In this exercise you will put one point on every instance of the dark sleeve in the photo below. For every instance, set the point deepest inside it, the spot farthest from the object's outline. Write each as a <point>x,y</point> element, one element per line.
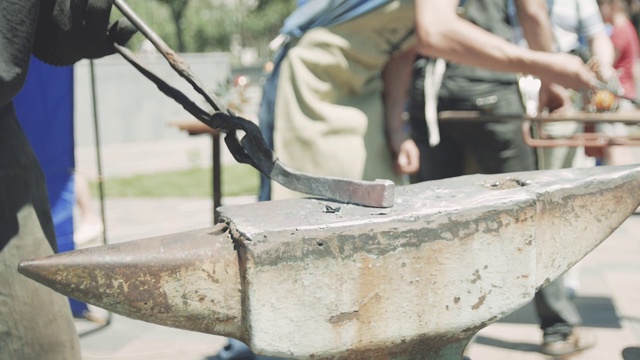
<point>17,28</point>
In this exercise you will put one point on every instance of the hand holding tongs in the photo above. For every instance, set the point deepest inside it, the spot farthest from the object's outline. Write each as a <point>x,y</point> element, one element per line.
<point>251,148</point>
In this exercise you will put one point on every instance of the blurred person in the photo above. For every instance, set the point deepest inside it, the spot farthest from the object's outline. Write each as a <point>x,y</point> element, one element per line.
<point>579,29</point>
<point>625,43</point>
<point>451,149</point>
<point>583,19</point>
<point>332,72</point>
<point>36,322</point>
<point>615,13</point>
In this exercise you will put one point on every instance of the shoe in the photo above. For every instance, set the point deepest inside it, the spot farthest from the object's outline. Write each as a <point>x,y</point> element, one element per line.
<point>578,340</point>
<point>236,350</point>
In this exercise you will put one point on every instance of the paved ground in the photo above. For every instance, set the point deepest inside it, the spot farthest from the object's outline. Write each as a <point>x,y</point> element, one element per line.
<point>608,299</point>
<point>608,296</point>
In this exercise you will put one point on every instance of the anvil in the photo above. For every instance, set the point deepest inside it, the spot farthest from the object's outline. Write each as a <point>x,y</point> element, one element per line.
<point>309,278</point>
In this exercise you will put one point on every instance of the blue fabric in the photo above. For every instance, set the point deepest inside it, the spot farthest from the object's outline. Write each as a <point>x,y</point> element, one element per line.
<point>45,111</point>
<point>325,13</point>
<point>308,15</point>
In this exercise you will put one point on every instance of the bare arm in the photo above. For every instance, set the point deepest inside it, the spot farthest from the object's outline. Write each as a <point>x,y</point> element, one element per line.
<point>441,33</point>
<point>396,76</point>
<point>602,47</point>
<point>603,50</point>
<point>536,25</point>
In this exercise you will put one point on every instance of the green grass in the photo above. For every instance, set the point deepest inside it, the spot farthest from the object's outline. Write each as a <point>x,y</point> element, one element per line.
<point>237,180</point>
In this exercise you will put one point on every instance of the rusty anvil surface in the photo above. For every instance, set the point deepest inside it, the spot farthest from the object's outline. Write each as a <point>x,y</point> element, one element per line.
<point>308,278</point>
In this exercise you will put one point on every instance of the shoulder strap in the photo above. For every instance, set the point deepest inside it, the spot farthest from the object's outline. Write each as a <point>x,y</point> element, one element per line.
<point>316,13</point>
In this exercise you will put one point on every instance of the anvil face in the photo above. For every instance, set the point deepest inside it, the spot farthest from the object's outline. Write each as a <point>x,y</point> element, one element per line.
<point>327,280</point>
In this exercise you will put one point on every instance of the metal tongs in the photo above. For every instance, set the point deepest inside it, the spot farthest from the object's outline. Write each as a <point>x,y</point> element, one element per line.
<point>251,148</point>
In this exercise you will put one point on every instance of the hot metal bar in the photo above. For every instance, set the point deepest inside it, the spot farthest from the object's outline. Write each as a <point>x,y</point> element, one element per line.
<point>324,280</point>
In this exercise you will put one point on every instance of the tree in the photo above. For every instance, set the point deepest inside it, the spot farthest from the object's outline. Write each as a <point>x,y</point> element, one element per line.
<point>210,25</point>
<point>177,8</point>
<point>264,22</point>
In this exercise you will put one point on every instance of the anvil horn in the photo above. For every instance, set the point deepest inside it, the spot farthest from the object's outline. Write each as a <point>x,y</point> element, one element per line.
<point>188,281</point>
<point>319,279</point>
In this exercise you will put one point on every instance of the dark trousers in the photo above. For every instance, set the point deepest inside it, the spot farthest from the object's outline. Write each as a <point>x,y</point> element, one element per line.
<point>490,148</point>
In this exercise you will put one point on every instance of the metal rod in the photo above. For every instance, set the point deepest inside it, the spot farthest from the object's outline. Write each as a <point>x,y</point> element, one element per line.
<point>96,133</point>
<point>216,174</point>
<point>96,125</point>
<point>628,118</point>
<point>577,140</point>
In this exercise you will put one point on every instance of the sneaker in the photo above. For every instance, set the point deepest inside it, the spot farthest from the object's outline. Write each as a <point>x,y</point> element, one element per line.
<point>579,340</point>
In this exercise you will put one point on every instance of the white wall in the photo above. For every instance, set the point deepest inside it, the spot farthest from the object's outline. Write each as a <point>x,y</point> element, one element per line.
<point>130,107</point>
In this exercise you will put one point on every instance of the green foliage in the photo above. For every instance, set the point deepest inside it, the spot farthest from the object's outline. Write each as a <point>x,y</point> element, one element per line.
<point>264,22</point>
<point>237,180</point>
<point>210,28</point>
<point>212,25</point>
<point>154,14</point>
<point>177,9</point>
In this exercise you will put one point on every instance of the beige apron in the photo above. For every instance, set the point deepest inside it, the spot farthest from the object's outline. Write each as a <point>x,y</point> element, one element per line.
<point>329,114</point>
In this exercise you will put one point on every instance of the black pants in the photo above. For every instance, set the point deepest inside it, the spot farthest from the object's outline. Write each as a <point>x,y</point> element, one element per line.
<point>490,148</point>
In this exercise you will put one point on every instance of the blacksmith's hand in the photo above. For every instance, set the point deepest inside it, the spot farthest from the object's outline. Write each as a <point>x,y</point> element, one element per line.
<point>70,30</point>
